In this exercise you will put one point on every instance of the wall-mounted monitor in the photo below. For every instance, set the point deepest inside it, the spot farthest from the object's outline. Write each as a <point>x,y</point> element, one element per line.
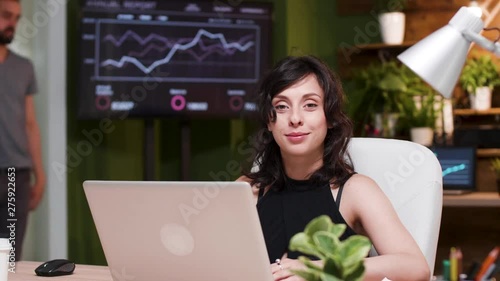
<point>154,58</point>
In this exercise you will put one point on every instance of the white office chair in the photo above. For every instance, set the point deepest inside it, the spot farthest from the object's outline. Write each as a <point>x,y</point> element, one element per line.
<point>411,177</point>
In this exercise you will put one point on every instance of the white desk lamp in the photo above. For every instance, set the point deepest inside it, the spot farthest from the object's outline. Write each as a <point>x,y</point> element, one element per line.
<point>439,58</point>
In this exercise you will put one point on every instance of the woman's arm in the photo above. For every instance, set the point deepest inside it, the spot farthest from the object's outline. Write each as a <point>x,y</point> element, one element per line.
<point>371,213</point>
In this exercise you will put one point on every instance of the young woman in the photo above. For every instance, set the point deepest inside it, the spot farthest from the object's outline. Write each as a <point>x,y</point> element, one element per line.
<point>303,172</point>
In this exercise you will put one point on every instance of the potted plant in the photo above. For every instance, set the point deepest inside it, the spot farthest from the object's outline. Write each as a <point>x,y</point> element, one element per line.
<point>374,94</point>
<point>479,77</point>
<point>495,166</point>
<point>392,20</point>
<point>342,260</point>
<point>418,114</point>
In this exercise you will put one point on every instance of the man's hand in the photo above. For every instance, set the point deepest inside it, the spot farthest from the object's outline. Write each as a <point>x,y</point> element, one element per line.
<point>34,142</point>
<point>36,194</point>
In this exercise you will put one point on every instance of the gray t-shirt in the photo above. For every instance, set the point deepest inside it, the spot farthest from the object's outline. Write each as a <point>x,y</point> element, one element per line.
<point>17,80</point>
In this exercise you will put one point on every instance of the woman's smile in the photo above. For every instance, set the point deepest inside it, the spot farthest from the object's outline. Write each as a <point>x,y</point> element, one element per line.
<point>296,137</point>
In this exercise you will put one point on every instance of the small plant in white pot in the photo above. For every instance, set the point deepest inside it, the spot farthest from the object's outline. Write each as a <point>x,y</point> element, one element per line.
<point>478,78</point>
<point>392,20</point>
<point>418,114</point>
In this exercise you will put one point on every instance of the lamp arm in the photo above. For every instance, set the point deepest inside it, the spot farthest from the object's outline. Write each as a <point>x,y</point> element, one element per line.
<point>482,41</point>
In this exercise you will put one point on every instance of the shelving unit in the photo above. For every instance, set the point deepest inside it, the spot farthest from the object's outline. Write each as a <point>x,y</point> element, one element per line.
<point>382,46</point>
<point>482,115</point>
<point>468,112</point>
<point>474,199</point>
<point>470,220</point>
<point>488,152</point>
<point>361,55</point>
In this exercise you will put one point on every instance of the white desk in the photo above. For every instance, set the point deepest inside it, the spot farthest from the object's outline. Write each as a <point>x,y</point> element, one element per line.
<point>25,271</point>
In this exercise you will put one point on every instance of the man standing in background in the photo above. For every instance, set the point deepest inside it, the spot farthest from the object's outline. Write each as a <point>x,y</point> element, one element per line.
<point>20,150</point>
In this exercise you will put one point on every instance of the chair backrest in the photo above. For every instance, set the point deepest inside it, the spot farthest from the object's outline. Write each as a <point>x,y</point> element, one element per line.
<point>411,177</point>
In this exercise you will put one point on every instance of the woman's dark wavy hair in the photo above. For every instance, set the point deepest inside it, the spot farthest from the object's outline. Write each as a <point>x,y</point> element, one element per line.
<point>336,167</point>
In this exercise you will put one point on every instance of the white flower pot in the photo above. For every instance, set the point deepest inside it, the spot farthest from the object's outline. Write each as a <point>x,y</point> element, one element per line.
<point>392,27</point>
<point>482,99</point>
<point>422,135</point>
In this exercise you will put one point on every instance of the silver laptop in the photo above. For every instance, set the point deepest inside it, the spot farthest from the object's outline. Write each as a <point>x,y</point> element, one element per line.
<point>179,231</point>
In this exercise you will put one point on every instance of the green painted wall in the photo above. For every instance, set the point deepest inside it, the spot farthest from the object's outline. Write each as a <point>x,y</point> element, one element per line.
<point>300,27</point>
<point>353,30</point>
<point>311,28</point>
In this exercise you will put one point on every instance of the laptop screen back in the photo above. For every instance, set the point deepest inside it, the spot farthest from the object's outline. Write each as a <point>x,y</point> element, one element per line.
<point>459,167</point>
<point>179,231</point>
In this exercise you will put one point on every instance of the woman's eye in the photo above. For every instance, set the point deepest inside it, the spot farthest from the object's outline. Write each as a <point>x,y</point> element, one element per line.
<point>280,107</point>
<point>311,105</point>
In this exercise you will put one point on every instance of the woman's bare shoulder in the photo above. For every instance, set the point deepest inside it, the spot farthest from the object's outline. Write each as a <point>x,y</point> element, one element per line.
<point>363,193</point>
<point>360,180</point>
<point>361,187</point>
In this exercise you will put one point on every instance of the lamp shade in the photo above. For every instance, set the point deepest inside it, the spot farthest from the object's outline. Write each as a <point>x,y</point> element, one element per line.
<point>438,58</point>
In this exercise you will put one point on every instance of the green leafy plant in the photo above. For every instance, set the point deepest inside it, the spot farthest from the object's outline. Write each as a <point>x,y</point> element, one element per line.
<point>479,72</point>
<point>388,6</point>
<point>418,110</point>
<point>495,166</point>
<point>379,88</point>
<point>342,260</point>
<point>376,88</point>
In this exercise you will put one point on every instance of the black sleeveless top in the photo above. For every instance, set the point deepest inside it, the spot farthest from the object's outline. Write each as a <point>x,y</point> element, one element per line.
<point>285,213</point>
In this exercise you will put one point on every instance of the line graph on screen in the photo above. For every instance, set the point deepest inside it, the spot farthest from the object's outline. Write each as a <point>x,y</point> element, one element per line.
<point>456,171</point>
<point>176,51</point>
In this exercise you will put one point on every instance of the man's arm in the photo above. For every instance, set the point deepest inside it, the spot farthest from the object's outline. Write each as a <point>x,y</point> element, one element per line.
<point>33,132</point>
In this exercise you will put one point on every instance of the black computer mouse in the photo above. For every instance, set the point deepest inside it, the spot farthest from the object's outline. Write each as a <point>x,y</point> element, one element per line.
<point>55,268</point>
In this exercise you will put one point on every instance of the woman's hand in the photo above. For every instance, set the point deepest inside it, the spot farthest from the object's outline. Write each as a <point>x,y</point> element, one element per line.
<point>281,269</point>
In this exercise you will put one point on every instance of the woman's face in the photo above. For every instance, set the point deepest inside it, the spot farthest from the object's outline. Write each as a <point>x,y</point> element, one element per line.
<point>301,126</point>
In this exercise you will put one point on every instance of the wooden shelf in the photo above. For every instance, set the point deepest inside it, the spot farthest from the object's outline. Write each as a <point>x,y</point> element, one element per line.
<point>382,46</point>
<point>474,199</point>
<point>359,56</point>
<point>462,112</point>
<point>488,152</point>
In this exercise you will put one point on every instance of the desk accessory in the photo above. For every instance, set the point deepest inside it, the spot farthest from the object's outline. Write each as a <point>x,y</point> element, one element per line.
<point>446,269</point>
<point>472,271</point>
<point>496,269</point>
<point>487,263</point>
<point>55,267</point>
